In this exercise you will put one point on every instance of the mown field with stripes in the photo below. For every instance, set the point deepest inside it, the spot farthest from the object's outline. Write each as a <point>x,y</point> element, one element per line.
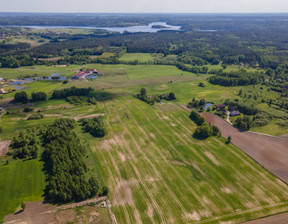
<point>157,173</point>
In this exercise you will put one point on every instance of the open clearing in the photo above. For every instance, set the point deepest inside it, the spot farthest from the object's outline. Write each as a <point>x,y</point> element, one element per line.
<point>83,212</point>
<point>270,152</point>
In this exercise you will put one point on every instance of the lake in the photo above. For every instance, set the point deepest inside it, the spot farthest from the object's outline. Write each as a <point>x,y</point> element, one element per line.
<point>132,29</point>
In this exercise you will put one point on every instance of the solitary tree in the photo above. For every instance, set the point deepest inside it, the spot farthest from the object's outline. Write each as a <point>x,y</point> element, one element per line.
<point>143,92</point>
<point>229,139</point>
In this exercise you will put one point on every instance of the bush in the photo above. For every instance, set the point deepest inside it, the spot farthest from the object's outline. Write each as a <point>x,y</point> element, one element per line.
<point>35,116</point>
<point>95,126</point>
<point>28,109</point>
<point>23,206</point>
<point>228,140</point>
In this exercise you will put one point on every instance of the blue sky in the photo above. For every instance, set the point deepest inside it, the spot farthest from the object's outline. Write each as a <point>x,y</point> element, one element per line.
<point>129,6</point>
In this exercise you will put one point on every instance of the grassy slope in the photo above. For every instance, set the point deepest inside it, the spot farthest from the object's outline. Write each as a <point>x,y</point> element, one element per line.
<point>20,181</point>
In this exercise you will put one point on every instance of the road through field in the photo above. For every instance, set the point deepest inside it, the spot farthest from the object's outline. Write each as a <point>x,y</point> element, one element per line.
<point>271,152</point>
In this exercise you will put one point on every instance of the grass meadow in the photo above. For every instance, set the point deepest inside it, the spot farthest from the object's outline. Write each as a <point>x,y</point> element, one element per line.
<point>19,182</point>
<point>140,57</point>
<point>155,171</point>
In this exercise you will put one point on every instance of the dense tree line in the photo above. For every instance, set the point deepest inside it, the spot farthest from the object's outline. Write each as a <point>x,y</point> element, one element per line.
<point>194,69</point>
<point>64,161</point>
<point>73,91</point>
<point>22,97</point>
<point>38,96</point>
<point>237,78</point>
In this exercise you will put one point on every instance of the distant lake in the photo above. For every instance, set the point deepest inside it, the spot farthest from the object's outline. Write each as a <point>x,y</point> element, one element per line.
<point>132,29</point>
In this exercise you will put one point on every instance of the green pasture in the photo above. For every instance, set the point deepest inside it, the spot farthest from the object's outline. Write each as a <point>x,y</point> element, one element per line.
<point>20,181</point>
<point>40,70</point>
<point>140,57</point>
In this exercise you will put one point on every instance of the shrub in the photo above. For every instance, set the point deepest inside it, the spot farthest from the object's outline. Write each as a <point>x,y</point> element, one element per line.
<point>28,109</point>
<point>228,140</point>
<point>35,116</point>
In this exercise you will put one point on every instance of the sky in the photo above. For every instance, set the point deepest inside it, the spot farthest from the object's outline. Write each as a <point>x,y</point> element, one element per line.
<point>145,6</point>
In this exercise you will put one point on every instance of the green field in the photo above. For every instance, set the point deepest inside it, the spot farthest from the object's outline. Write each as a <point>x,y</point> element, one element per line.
<point>140,57</point>
<point>155,171</point>
<point>158,173</point>
<point>20,181</point>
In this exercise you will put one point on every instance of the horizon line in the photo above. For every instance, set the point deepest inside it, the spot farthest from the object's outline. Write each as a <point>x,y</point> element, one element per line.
<point>187,13</point>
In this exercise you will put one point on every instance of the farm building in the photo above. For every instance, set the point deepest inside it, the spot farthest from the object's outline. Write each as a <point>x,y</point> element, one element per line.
<point>234,113</point>
<point>84,73</point>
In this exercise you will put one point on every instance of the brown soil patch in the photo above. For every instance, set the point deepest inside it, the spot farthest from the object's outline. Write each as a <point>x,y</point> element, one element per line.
<point>152,135</point>
<point>212,158</point>
<point>105,144</point>
<point>270,152</point>
<point>66,216</point>
<point>150,211</point>
<point>35,212</point>
<point>275,219</point>
<point>173,125</point>
<point>123,193</point>
<point>122,157</point>
<point>226,190</point>
<point>192,216</point>
<point>41,213</point>
<point>166,118</point>
<point>8,107</point>
<point>4,147</point>
<point>178,163</point>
